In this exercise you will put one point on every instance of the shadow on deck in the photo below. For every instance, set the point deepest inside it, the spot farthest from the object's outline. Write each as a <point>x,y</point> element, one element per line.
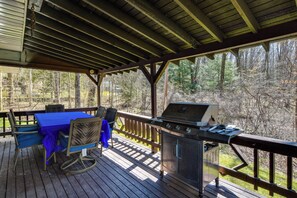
<point>127,170</point>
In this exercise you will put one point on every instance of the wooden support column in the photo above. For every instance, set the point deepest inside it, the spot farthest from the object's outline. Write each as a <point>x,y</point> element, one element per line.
<point>99,81</point>
<point>153,91</point>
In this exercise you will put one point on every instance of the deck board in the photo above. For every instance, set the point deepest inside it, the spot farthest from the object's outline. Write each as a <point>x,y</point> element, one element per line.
<point>127,170</point>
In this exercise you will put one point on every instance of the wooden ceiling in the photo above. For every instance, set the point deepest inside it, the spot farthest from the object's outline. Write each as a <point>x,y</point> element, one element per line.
<point>111,36</point>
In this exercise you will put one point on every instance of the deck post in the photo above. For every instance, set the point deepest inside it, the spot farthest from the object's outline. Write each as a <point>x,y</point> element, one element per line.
<point>99,81</point>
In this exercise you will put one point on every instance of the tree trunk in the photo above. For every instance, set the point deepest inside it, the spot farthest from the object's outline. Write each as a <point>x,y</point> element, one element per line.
<point>91,94</point>
<point>69,90</point>
<point>165,100</point>
<point>30,88</point>
<point>57,87</point>
<point>1,95</point>
<point>222,77</point>
<point>77,91</point>
<point>10,89</point>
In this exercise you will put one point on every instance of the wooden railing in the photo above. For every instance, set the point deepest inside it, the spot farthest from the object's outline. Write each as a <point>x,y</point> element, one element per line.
<point>28,116</point>
<point>135,127</point>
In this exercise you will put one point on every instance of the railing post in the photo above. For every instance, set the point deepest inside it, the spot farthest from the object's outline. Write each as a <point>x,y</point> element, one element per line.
<point>271,171</point>
<point>256,167</point>
<point>289,173</point>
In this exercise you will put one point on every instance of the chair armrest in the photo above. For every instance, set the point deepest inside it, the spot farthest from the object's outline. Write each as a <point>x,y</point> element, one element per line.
<point>25,126</point>
<point>62,134</point>
<point>28,132</point>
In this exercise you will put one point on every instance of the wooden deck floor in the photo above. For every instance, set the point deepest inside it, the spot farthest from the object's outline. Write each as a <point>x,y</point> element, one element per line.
<point>127,170</point>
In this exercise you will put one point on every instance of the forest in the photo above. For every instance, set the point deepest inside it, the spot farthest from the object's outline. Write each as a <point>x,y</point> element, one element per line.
<point>255,88</point>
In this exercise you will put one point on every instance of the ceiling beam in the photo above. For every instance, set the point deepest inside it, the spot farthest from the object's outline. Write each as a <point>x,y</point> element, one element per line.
<point>266,46</point>
<point>62,56</point>
<point>117,14</point>
<point>193,11</point>
<point>70,53</point>
<point>107,40</point>
<point>91,49</point>
<point>280,31</point>
<point>246,14</point>
<point>154,14</point>
<point>63,45</point>
<point>68,31</point>
<point>100,23</point>
<point>58,57</point>
<point>33,65</point>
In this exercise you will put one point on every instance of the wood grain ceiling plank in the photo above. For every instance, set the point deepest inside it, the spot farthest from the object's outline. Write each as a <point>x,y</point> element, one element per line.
<point>246,15</point>
<point>154,14</point>
<point>193,11</point>
<point>100,23</point>
<point>120,16</point>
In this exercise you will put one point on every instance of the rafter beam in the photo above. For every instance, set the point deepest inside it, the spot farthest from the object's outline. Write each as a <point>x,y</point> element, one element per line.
<point>117,14</point>
<point>154,14</point>
<point>266,46</point>
<point>67,52</point>
<point>193,11</point>
<point>160,71</point>
<point>100,23</point>
<point>75,49</point>
<point>91,49</point>
<point>234,52</point>
<point>210,56</point>
<point>92,79</point>
<point>145,72</point>
<point>276,32</point>
<point>80,31</point>
<point>246,14</point>
<point>61,56</point>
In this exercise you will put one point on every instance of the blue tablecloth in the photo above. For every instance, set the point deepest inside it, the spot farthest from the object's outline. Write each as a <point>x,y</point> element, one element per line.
<point>50,124</point>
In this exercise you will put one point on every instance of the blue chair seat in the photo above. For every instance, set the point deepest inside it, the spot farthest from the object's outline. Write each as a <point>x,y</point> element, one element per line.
<point>25,128</point>
<point>64,143</point>
<point>26,140</point>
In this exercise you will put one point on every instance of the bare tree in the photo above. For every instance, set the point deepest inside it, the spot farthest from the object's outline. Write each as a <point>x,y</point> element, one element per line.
<point>77,91</point>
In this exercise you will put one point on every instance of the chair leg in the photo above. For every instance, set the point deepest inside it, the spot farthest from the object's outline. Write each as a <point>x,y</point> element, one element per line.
<point>44,159</point>
<point>101,149</point>
<point>55,158</point>
<point>16,154</point>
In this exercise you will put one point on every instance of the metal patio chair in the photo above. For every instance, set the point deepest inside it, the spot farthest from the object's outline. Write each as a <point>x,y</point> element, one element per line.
<point>84,135</point>
<point>22,127</point>
<point>110,116</point>
<point>23,139</point>
<point>100,112</point>
<point>54,108</point>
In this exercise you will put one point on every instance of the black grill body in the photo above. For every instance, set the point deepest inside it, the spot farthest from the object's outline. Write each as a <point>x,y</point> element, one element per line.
<point>189,149</point>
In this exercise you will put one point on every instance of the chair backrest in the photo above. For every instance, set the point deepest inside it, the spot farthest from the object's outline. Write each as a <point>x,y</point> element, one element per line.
<point>12,125</point>
<point>100,112</point>
<point>54,108</point>
<point>84,133</point>
<point>12,116</point>
<point>110,116</point>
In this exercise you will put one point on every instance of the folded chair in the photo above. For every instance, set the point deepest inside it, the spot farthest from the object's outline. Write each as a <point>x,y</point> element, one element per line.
<point>83,135</point>
<point>110,116</point>
<point>54,108</point>
<point>23,139</point>
<point>22,127</point>
<point>100,112</point>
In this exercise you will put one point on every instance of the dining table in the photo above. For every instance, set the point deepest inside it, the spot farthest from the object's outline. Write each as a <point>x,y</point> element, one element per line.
<point>50,124</point>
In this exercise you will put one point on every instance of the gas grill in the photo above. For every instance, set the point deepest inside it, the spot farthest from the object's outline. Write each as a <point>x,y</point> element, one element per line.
<point>189,142</point>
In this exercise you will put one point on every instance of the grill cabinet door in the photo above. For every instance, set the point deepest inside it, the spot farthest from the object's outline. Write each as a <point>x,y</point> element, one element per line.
<point>169,153</point>
<point>189,159</point>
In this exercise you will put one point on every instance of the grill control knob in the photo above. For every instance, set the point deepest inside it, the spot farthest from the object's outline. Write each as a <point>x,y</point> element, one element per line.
<point>188,130</point>
<point>177,127</point>
<point>168,125</point>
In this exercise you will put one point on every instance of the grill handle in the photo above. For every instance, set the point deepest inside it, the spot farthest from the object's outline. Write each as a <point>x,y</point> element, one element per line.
<point>177,150</point>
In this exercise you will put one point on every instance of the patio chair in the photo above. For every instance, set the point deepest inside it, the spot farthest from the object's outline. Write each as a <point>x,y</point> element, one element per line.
<point>110,116</point>
<point>100,112</point>
<point>84,135</point>
<point>23,139</point>
<point>54,108</point>
<point>23,127</point>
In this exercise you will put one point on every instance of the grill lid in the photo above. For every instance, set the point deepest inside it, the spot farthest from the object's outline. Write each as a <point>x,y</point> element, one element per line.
<point>196,114</point>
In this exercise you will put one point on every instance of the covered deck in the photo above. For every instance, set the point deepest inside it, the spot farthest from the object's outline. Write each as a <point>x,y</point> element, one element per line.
<point>127,170</point>
<point>99,38</point>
